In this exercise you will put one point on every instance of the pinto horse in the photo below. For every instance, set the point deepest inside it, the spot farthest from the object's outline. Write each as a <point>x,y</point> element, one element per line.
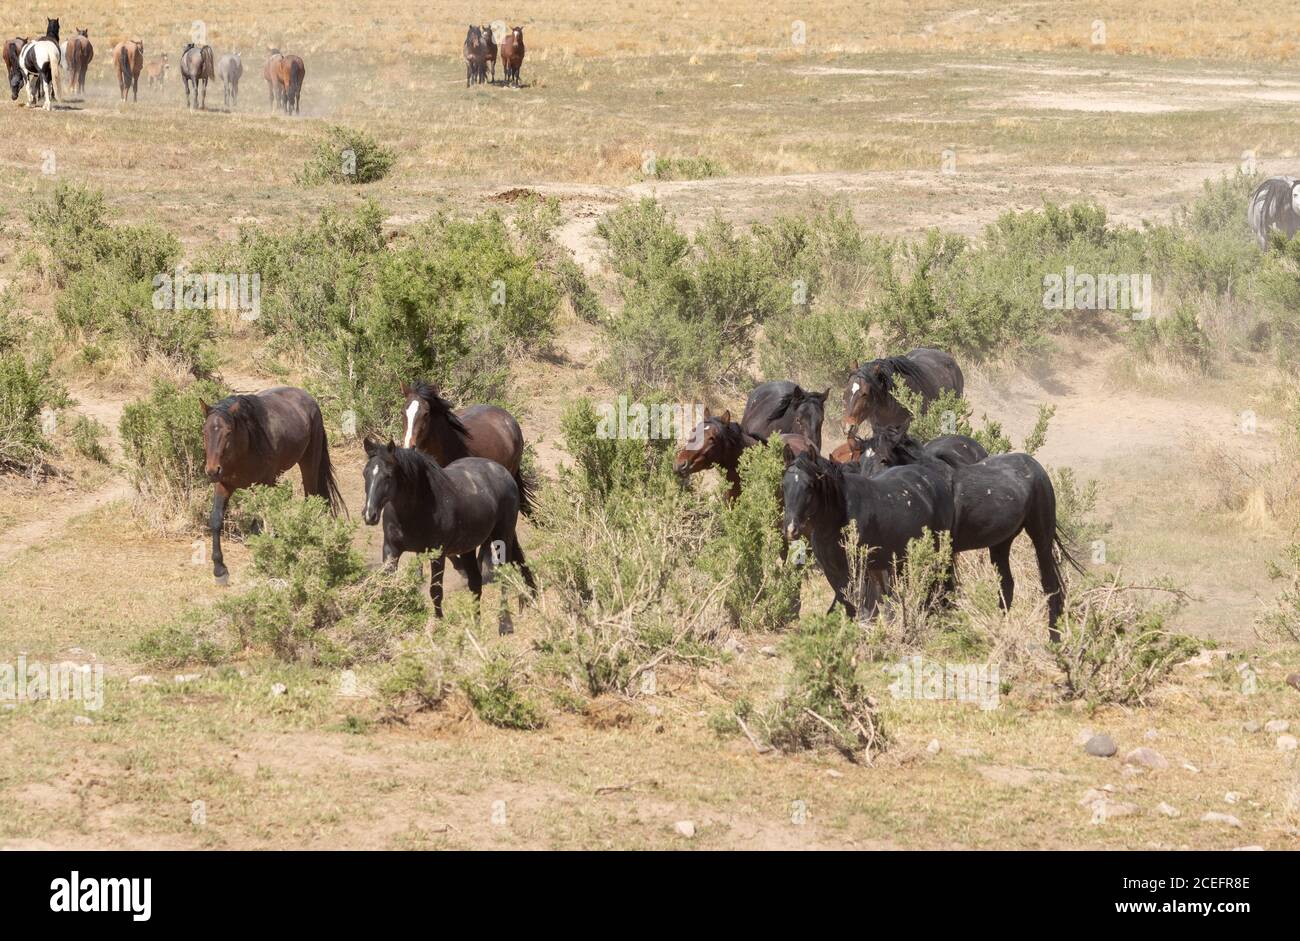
<point>718,441</point>
<point>128,60</point>
<point>198,64</point>
<point>869,398</point>
<point>475,52</point>
<point>80,52</point>
<point>253,439</point>
<point>512,55</point>
<point>783,406</point>
<point>996,499</point>
<point>41,63</point>
<point>470,506</point>
<point>887,511</point>
<point>478,431</point>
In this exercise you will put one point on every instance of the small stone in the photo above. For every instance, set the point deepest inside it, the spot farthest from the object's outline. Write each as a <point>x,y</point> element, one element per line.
<point>1286,743</point>
<point>1151,735</point>
<point>188,677</point>
<point>1146,758</point>
<point>768,651</point>
<point>82,720</point>
<point>686,828</point>
<point>1213,816</point>
<point>1104,810</point>
<point>1231,797</point>
<point>1091,796</point>
<point>144,679</point>
<point>934,747</point>
<point>832,773</point>
<point>1293,680</point>
<point>1277,726</point>
<point>279,689</point>
<point>1191,767</point>
<point>1102,746</point>
<point>1252,726</point>
<point>733,646</point>
<point>1166,810</point>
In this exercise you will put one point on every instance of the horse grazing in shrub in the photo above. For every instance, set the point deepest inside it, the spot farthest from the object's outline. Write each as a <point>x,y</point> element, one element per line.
<point>253,439</point>
<point>718,441</point>
<point>468,510</point>
<point>868,396</point>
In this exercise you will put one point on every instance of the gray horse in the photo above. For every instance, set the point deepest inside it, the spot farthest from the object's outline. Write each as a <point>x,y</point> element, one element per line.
<point>1275,204</point>
<point>230,68</point>
<point>197,66</point>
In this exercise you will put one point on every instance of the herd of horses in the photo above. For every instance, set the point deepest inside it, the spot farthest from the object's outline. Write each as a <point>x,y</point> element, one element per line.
<point>455,484</point>
<point>38,65</point>
<point>481,53</point>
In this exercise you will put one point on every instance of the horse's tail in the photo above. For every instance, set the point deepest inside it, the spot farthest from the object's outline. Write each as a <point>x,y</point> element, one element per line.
<point>527,484</point>
<point>1062,543</point>
<point>326,485</point>
<point>56,73</point>
<point>123,64</point>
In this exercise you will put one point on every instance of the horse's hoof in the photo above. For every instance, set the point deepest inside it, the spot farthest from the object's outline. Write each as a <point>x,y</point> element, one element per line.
<point>505,626</point>
<point>223,579</point>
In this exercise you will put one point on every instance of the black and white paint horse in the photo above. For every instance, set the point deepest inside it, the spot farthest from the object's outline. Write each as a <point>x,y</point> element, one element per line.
<point>42,65</point>
<point>1275,204</point>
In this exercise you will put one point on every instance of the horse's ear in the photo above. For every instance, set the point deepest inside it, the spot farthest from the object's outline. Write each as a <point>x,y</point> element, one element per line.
<point>855,366</point>
<point>406,390</point>
<point>726,417</point>
<point>823,395</point>
<point>371,446</point>
<point>392,448</point>
<point>206,408</point>
<point>707,413</point>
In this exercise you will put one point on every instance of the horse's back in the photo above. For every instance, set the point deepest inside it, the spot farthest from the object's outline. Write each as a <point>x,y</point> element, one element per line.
<point>487,499</point>
<point>494,434</point>
<point>756,418</point>
<point>940,367</point>
<point>996,497</point>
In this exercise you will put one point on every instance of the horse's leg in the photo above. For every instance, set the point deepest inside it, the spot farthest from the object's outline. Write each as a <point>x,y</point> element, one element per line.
<point>219,496</point>
<point>1049,574</point>
<point>436,568</point>
<point>1000,556</point>
<point>469,566</point>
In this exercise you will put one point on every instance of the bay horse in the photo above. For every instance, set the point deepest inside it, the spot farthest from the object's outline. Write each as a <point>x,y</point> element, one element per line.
<point>80,53</point>
<point>784,406</point>
<point>128,60</point>
<point>198,65</point>
<point>718,441</point>
<point>486,431</point>
<point>42,66</point>
<point>512,55</point>
<point>13,49</point>
<point>289,73</point>
<point>887,511</point>
<point>489,51</point>
<point>230,69</point>
<point>468,511</point>
<point>868,396</point>
<point>995,500</point>
<point>271,72</point>
<point>253,439</point>
<point>475,53</point>
<point>877,452</point>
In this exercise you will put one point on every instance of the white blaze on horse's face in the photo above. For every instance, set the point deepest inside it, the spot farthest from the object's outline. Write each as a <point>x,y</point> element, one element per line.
<point>411,411</point>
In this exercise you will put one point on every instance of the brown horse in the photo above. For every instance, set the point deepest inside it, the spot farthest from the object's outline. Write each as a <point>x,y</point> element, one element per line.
<point>12,49</point>
<point>198,65</point>
<point>869,397</point>
<point>289,73</point>
<point>489,52</point>
<point>475,53</point>
<point>718,442</point>
<point>79,54</point>
<point>253,439</point>
<point>157,71</point>
<point>512,55</point>
<point>270,72</point>
<point>128,60</point>
<point>478,431</point>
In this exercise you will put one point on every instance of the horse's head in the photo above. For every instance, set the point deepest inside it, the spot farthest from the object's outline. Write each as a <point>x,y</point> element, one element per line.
<point>424,409</point>
<point>804,490</point>
<point>806,410</point>
<point>52,29</point>
<point>220,433</point>
<point>518,33</point>
<point>885,448</point>
<point>869,385</point>
<point>84,32</point>
<point>380,478</point>
<point>1295,197</point>
<point>703,448</point>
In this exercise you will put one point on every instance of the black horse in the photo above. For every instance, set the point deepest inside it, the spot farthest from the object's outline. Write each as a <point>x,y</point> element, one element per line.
<point>470,506</point>
<point>892,446</point>
<point>1275,204</point>
<point>887,510</point>
<point>868,396</point>
<point>784,406</point>
<point>996,499</point>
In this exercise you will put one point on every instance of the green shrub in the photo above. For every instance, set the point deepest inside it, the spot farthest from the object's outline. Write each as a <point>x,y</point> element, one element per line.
<point>162,438</point>
<point>85,435</point>
<point>496,697</point>
<point>27,392</point>
<point>178,645</point>
<point>347,156</point>
<point>686,168</point>
<point>1280,621</point>
<point>606,461</point>
<point>762,590</point>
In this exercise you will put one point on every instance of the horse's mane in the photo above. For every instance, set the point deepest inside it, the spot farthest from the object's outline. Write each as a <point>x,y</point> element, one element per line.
<point>415,465</point>
<point>900,365</point>
<point>826,476</point>
<point>250,416</point>
<point>438,405</point>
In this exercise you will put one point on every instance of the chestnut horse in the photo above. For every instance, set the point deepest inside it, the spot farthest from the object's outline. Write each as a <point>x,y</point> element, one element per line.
<point>270,72</point>
<point>157,71</point>
<point>478,431</point>
<point>78,57</point>
<point>253,439</point>
<point>289,73</point>
<point>718,442</point>
<point>512,55</point>
<point>128,59</point>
